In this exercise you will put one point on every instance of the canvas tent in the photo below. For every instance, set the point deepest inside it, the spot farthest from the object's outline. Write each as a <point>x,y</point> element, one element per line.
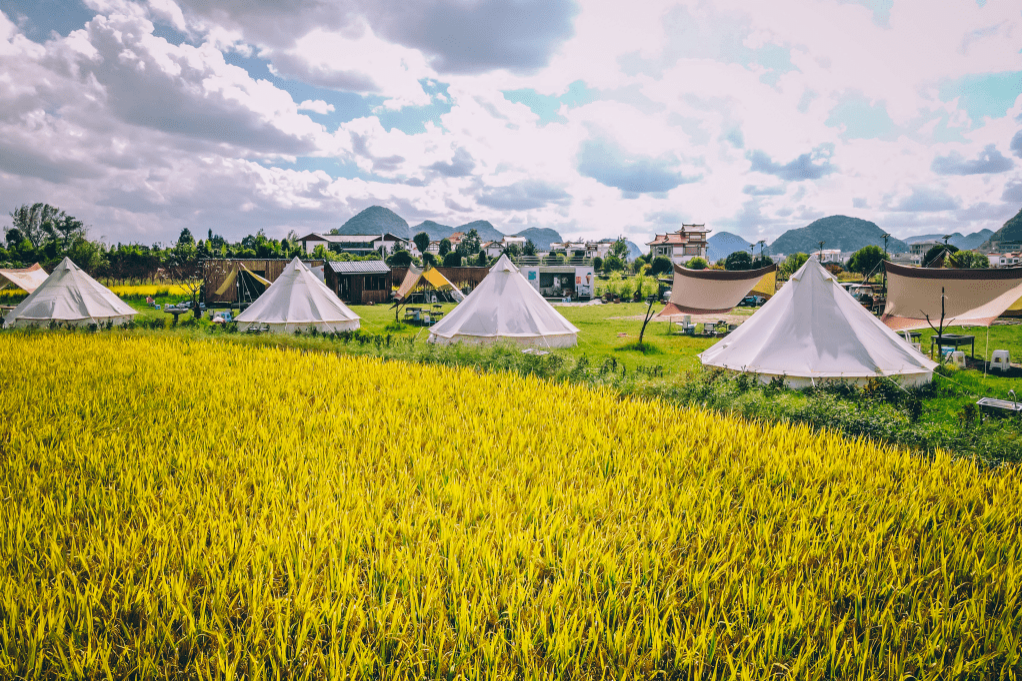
<point>23,278</point>
<point>298,301</point>
<point>716,291</point>
<point>429,280</point>
<point>971,297</point>
<point>505,306</point>
<point>69,296</point>
<point>812,331</point>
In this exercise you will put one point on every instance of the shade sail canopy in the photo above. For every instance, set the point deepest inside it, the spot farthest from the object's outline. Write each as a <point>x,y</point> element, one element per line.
<point>233,276</point>
<point>971,297</point>
<point>505,306</point>
<point>813,330</point>
<point>28,279</point>
<point>430,279</point>
<point>716,291</point>
<point>69,296</point>
<point>298,301</point>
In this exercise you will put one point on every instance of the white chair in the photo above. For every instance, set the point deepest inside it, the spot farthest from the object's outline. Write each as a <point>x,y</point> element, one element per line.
<point>958,359</point>
<point>1000,360</point>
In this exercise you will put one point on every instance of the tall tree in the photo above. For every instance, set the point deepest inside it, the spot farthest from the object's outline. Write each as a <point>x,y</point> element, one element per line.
<point>739,260</point>
<point>41,222</point>
<point>620,248</point>
<point>792,263</point>
<point>421,242</point>
<point>445,247</point>
<point>470,244</point>
<point>867,260</point>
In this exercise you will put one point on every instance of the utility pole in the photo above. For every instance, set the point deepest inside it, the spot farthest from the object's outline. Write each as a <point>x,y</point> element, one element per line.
<point>886,237</point>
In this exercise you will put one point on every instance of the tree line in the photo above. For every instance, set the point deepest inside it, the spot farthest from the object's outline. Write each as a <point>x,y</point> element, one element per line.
<point>44,234</point>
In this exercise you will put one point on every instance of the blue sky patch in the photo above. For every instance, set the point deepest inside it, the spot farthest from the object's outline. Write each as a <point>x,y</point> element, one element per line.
<point>546,106</point>
<point>982,95</point>
<point>350,105</point>
<point>863,120</point>
<point>38,18</point>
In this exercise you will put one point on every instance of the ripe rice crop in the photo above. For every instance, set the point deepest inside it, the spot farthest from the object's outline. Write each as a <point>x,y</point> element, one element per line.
<point>192,508</point>
<point>143,290</point>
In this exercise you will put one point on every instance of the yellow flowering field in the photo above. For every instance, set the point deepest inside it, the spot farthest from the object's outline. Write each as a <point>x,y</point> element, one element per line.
<point>190,508</point>
<point>143,290</point>
<point>137,290</point>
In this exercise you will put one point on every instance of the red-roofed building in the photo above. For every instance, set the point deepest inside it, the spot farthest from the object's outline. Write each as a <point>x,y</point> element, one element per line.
<point>682,246</point>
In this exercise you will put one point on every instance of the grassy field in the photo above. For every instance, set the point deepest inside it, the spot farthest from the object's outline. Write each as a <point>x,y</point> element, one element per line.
<point>172,508</point>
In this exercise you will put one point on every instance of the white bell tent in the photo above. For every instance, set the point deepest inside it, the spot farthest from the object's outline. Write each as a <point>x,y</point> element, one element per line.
<point>505,306</point>
<point>298,301</point>
<point>812,330</point>
<point>70,297</point>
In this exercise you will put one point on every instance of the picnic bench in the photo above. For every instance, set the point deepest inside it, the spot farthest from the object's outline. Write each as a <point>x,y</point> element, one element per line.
<point>954,340</point>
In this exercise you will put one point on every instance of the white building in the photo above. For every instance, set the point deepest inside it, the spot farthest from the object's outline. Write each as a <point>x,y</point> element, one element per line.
<point>682,246</point>
<point>1004,260</point>
<point>583,249</point>
<point>358,244</point>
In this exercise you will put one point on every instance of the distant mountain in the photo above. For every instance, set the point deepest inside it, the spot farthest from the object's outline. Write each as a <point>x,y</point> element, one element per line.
<point>966,242</point>
<point>376,220</point>
<point>542,237</point>
<point>1011,231</point>
<point>836,232</point>
<point>723,244</point>
<point>436,231</point>
<point>633,250</point>
<point>487,232</point>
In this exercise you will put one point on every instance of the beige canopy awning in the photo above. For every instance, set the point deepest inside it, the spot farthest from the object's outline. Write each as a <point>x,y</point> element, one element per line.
<point>430,279</point>
<point>700,292</point>
<point>230,279</point>
<point>971,297</point>
<point>23,278</point>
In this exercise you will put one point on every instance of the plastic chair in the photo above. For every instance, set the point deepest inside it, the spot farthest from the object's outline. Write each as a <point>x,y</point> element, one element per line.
<point>958,359</point>
<point>1000,360</point>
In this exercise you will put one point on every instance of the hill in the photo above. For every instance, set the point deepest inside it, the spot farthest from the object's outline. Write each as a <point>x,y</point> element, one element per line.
<point>542,237</point>
<point>966,242</point>
<point>436,231</point>
<point>1011,231</point>
<point>376,220</point>
<point>836,232</point>
<point>634,251</point>
<point>723,244</point>
<point>487,232</point>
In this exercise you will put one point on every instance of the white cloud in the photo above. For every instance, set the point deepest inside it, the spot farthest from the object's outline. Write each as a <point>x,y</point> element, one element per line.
<point>317,106</point>
<point>687,107</point>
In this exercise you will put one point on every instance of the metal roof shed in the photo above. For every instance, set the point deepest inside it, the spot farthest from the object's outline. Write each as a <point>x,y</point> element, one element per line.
<point>362,282</point>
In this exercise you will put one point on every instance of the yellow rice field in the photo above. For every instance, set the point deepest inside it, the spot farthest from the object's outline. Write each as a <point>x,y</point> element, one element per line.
<point>136,290</point>
<point>175,508</point>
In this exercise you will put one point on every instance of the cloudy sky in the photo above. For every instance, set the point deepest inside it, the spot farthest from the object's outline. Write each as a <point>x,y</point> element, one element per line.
<point>593,118</point>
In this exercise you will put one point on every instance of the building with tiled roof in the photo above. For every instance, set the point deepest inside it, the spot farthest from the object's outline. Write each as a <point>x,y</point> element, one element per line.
<point>682,246</point>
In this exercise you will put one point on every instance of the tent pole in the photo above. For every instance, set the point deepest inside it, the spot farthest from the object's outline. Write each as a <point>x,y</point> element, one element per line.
<point>986,354</point>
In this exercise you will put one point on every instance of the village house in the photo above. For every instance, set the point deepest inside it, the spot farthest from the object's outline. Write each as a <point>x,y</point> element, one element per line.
<point>355,244</point>
<point>682,246</point>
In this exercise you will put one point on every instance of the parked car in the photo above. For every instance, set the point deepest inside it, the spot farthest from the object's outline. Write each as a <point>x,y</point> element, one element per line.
<point>752,301</point>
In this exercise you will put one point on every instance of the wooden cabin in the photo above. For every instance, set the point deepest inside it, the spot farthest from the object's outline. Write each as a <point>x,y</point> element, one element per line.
<point>360,282</point>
